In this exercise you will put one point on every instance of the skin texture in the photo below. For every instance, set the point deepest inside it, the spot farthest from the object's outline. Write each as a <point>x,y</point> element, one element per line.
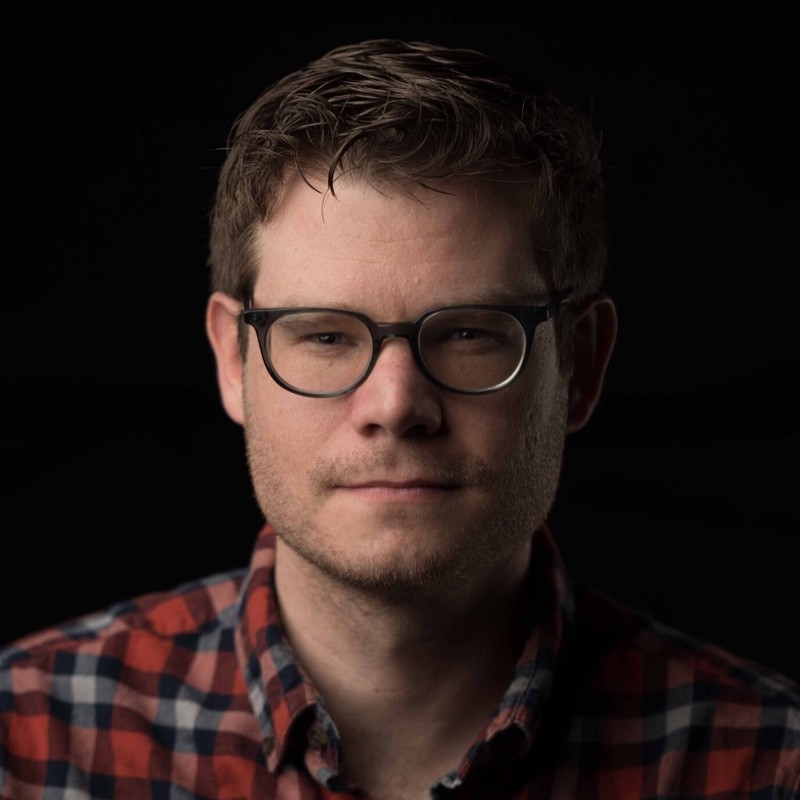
<point>404,512</point>
<point>400,487</point>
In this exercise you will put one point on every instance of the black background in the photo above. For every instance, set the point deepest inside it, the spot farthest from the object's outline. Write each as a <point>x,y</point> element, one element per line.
<point>121,474</point>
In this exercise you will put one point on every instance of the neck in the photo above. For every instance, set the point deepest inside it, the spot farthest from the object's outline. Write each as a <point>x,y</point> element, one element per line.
<point>405,672</point>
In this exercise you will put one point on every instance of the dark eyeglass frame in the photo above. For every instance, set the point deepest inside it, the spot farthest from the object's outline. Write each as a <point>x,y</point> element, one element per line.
<point>529,317</point>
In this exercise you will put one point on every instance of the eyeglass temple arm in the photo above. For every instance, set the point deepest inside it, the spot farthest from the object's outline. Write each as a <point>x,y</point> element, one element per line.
<point>560,299</point>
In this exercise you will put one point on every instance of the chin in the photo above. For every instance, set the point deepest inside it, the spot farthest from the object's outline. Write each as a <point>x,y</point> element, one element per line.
<point>388,573</point>
<point>404,560</point>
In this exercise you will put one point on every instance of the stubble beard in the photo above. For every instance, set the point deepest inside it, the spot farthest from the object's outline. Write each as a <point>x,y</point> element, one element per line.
<point>522,489</point>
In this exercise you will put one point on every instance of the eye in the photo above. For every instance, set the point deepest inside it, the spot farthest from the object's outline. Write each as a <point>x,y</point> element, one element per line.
<point>471,332</point>
<point>311,339</point>
<point>329,338</point>
<point>468,334</point>
<point>320,333</point>
<point>469,340</point>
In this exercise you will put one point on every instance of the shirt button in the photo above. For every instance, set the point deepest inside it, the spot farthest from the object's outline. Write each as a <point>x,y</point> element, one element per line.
<point>317,737</point>
<point>268,745</point>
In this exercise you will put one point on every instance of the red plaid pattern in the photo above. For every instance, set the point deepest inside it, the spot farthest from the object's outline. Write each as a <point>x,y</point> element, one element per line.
<point>195,693</point>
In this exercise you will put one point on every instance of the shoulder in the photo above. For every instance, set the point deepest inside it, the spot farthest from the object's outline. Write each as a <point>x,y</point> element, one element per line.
<point>690,713</point>
<point>129,697</point>
<point>665,657</point>
<point>188,610</point>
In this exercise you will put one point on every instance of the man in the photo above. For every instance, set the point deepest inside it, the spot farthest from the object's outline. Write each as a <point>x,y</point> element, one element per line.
<point>407,315</point>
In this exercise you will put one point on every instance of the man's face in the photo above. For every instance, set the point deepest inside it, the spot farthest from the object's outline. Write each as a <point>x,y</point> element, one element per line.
<point>400,486</point>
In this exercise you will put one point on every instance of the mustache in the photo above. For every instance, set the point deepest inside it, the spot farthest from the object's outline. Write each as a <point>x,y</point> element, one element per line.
<point>390,465</point>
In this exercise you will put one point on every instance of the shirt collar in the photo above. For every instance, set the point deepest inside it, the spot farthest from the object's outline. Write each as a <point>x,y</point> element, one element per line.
<point>281,694</point>
<point>290,711</point>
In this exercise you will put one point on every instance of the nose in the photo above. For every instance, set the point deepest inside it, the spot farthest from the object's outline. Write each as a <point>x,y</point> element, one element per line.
<point>396,397</point>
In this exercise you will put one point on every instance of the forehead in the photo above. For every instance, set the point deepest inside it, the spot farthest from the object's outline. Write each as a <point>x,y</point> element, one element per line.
<point>386,250</point>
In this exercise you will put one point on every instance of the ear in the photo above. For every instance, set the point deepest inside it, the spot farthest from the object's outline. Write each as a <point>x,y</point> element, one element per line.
<point>594,334</point>
<point>222,328</point>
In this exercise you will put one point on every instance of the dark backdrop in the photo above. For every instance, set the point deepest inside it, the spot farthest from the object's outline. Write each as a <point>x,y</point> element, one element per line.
<point>122,475</point>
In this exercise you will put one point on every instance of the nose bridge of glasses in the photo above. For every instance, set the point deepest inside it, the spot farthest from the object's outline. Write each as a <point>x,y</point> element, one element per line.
<point>383,332</point>
<point>394,330</point>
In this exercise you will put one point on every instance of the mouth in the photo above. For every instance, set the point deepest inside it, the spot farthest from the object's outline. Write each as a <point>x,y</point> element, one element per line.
<point>394,483</point>
<point>404,491</point>
<point>390,478</point>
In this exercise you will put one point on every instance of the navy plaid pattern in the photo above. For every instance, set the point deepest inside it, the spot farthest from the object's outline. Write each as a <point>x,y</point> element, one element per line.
<point>195,693</point>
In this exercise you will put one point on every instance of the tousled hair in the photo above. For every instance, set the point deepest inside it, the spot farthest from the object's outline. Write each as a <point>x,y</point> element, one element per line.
<point>412,114</point>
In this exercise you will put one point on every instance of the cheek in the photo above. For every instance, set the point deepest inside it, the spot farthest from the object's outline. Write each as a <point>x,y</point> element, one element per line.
<point>533,407</point>
<point>545,386</point>
<point>490,428</point>
<point>285,434</point>
<point>285,426</point>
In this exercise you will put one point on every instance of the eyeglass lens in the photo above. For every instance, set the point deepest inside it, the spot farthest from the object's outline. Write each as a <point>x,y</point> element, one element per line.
<point>329,351</point>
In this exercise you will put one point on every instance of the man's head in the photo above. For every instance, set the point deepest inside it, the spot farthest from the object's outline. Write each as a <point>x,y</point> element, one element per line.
<point>391,179</point>
<point>405,115</point>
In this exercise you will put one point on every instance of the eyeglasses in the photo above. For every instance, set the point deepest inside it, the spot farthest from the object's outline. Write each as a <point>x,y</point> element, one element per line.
<point>469,349</point>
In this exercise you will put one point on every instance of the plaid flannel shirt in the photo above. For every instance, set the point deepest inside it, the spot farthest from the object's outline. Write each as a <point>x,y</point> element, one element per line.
<point>196,693</point>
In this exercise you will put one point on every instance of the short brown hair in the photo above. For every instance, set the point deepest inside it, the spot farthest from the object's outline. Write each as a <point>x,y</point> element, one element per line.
<point>415,112</point>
